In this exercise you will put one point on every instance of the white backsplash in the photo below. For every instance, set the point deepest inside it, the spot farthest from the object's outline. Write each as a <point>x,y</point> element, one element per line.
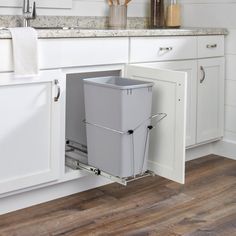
<point>137,8</point>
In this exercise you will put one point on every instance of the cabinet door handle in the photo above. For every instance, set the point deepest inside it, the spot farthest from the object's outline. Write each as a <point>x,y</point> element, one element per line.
<point>211,45</point>
<point>203,74</point>
<point>56,82</point>
<point>166,48</point>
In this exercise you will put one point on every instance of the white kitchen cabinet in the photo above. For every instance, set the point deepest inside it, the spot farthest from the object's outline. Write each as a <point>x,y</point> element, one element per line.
<point>167,140</point>
<point>150,49</point>
<point>188,54</point>
<point>190,67</point>
<point>211,46</point>
<point>210,99</point>
<point>167,152</point>
<point>30,137</point>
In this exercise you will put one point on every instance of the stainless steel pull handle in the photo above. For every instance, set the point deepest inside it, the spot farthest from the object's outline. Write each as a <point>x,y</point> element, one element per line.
<point>56,82</point>
<point>211,45</point>
<point>166,48</point>
<point>203,74</point>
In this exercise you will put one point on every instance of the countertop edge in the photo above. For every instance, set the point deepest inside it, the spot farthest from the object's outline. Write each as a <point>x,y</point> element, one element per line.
<point>109,33</point>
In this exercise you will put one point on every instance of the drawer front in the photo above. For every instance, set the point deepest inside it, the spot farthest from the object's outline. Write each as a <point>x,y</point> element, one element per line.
<point>57,53</point>
<point>49,54</point>
<point>210,46</point>
<point>162,49</point>
<point>94,51</point>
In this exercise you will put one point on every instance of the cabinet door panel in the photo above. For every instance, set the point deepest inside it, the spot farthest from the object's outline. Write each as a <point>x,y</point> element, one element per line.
<point>28,146</point>
<point>190,67</point>
<point>210,108</point>
<point>167,141</point>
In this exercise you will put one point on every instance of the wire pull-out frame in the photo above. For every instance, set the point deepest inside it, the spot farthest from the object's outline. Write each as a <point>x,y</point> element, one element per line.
<point>76,164</point>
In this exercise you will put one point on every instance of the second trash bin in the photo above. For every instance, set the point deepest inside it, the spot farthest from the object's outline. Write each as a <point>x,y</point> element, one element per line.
<point>114,106</point>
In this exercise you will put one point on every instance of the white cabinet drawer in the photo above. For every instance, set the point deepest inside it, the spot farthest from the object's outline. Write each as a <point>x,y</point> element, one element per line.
<point>210,46</point>
<point>94,51</point>
<point>162,49</point>
<point>49,54</point>
<point>57,53</point>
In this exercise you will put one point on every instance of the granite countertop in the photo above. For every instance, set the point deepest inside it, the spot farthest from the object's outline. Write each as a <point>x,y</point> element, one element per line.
<point>104,32</point>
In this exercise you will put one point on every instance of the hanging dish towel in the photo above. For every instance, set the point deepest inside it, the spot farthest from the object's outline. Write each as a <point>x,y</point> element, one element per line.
<point>25,51</point>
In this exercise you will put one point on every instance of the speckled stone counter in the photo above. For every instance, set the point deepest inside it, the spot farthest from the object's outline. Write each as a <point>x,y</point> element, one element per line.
<point>94,26</point>
<point>91,33</point>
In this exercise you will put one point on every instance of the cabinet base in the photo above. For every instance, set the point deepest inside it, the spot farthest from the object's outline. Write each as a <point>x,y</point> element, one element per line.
<point>225,148</point>
<point>44,194</point>
<point>37,196</point>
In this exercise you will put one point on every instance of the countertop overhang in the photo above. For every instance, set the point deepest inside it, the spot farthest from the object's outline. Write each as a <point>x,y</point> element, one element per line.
<point>102,33</point>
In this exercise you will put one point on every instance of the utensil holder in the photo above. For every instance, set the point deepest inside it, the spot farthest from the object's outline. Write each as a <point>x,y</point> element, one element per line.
<point>118,16</point>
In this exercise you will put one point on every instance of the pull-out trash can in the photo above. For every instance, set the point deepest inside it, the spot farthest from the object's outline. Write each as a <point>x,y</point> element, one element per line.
<point>118,114</point>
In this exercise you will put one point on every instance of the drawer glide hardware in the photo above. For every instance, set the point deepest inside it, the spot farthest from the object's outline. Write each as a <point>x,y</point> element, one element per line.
<point>76,165</point>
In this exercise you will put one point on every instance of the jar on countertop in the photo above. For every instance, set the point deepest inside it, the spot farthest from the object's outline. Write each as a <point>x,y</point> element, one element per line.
<point>173,14</point>
<point>157,14</point>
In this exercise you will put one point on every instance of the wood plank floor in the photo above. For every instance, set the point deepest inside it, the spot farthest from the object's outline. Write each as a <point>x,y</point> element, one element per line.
<point>204,206</point>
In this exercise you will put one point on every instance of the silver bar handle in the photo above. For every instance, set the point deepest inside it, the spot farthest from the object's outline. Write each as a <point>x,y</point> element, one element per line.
<point>211,45</point>
<point>56,82</point>
<point>166,48</point>
<point>203,74</point>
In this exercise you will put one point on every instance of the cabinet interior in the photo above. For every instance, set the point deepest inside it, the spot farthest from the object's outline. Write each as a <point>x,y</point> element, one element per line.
<point>75,133</point>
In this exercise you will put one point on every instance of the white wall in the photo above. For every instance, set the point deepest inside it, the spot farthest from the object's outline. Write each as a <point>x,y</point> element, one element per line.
<point>84,8</point>
<point>219,13</point>
<point>40,3</point>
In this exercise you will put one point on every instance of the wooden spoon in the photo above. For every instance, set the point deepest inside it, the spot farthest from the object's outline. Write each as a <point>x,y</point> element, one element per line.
<point>127,2</point>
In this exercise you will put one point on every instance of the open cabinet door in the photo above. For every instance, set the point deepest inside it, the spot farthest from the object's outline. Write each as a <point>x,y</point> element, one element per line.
<point>167,141</point>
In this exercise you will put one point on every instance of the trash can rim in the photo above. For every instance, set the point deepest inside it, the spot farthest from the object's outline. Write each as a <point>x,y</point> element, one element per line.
<point>111,82</point>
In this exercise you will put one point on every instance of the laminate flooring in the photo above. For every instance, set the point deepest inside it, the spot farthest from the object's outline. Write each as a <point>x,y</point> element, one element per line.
<point>204,206</point>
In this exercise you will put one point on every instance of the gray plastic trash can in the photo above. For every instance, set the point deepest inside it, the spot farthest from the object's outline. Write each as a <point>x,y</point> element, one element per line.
<point>114,106</point>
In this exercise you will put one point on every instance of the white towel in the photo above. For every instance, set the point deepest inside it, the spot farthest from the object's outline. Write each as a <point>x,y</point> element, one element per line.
<point>25,51</point>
